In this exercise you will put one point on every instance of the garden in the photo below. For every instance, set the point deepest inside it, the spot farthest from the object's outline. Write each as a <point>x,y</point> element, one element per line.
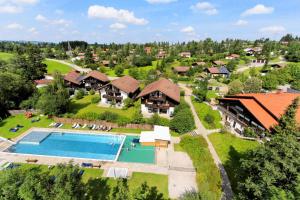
<point>230,150</point>
<point>53,66</point>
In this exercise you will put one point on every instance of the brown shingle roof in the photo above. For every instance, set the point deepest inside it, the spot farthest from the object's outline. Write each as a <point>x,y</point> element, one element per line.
<point>73,77</point>
<point>165,86</point>
<point>98,75</point>
<point>219,62</point>
<point>126,84</point>
<point>181,69</point>
<point>213,70</point>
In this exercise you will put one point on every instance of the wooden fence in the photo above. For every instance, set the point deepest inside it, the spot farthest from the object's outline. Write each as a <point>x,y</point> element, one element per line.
<point>100,122</point>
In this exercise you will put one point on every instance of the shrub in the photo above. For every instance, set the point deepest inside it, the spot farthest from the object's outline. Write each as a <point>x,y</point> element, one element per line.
<point>183,121</point>
<point>119,70</point>
<point>95,99</point>
<point>92,92</point>
<point>157,120</point>
<point>109,116</point>
<point>138,118</point>
<point>128,102</point>
<point>89,116</point>
<point>209,118</point>
<point>249,132</point>
<point>79,94</point>
<point>182,93</point>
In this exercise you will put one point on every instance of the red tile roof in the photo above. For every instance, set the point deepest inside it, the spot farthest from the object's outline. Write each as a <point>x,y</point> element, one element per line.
<point>267,108</point>
<point>98,75</point>
<point>213,70</point>
<point>73,77</point>
<point>43,81</point>
<point>165,86</point>
<point>182,69</point>
<point>126,84</point>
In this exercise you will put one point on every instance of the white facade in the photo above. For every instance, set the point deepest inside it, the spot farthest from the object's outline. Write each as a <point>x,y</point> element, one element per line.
<point>124,96</point>
<point>145,110</point>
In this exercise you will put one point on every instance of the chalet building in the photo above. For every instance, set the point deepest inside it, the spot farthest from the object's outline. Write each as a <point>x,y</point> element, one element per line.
<point>198,64</point>
<point>218,71</point>
<point>73,80</point>
<point>182,70</point>
<point>185,54</point>
<point>118,90</point>
<point>253,51</point>
<point>160,97</point>
<point>161,54</point>
<point>260,111</point>
<point>95,80</point>
<point>219,63</point>
<point>148,50</point>
<point>232,57</point>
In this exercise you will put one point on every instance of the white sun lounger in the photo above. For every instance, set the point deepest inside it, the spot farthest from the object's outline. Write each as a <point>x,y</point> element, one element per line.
<point>60,125</point>
<point>52,124</point>
<point>84,126</point>
<point>74,125</point>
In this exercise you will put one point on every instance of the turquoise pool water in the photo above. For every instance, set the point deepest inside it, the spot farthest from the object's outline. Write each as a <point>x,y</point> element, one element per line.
<point>91,146</point>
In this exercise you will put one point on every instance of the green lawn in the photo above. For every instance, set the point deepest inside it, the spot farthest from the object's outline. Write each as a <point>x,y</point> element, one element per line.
<point>5,56</point>
<point>230,150</point>
<point>208,176</point>
<point>90,175</point>
<point>211,94</point>
<point>20,119</point>
<point>143,70</point>
<point>56,66</point>
<point>82,106</point>
<point>202,110</point>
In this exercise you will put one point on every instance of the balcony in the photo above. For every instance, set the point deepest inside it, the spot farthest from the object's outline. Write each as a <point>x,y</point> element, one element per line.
<point>157,106</point>
<point>233,116</point>
<point>157,98</point>
<point>110,97</point>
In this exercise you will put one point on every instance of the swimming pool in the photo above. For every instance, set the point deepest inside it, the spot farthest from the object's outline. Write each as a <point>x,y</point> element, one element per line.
<point>75,145</point>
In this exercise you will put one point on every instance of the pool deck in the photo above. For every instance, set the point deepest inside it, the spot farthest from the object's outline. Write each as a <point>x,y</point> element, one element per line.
<point>177,165</point>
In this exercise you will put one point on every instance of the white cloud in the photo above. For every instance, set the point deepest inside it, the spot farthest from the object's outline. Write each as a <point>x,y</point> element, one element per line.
<point>14,26</point>
<point>206,8</point>
<point>10,9</point>
<point>44,19</point>
<point>258,10</point>
<point>189,30</point>
<point>272,30</point>
<point>121,15</point>
<point>241,23</point>
<point>41,18</point>
<point>33,30</point>
<point>160,1</point>
<point>117,26</point>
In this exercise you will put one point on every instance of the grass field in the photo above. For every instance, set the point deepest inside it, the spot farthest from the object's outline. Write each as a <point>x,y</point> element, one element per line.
<point>230,150</point>
<point>5,56</point>
<point>90,175</point>
<point>82,106</point>
<point>20,119</point>
<point>208,175</point>
<point>56,66</point>
<point>202,110</point>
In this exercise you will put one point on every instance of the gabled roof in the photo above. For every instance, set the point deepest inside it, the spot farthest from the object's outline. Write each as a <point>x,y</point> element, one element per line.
<point>213,70</point>
<point>73,77</point>
<point>97,75</point>
<point>182,69</point>
<point>165,86</point>
<point>223,70</point>
<point>126,84</point>
<point>218,62</point>
<point>267,108</point>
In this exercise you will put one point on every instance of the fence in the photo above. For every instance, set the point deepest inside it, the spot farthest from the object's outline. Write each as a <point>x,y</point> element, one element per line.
<point>104,123</point>
<point>17,112</point>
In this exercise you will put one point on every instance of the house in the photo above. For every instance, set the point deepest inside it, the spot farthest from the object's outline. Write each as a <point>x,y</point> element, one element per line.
<point>160,137</point>
<point>218,71</point>
<point>182,70</point>
<point>148,50</point>
<point>94,80</point>
<point>43,82</point>
<point>160,97</point>
<point>118,90</point>
<point>219,63</point>
<point>253,51</point>
<point>232,57</point>
<point>185,54</point>
<point>198,64</point>
<point>260,110</point>
<point>73,80</point>
<point>161,54</point>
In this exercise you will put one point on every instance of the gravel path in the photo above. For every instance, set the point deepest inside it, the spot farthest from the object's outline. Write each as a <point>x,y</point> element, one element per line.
<point>201,130</point>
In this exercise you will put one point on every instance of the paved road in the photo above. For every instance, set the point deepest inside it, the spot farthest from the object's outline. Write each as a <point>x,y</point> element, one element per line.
<point>201,130</point>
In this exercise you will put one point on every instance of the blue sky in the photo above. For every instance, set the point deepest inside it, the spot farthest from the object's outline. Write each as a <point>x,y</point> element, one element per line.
<point>142,21</point>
